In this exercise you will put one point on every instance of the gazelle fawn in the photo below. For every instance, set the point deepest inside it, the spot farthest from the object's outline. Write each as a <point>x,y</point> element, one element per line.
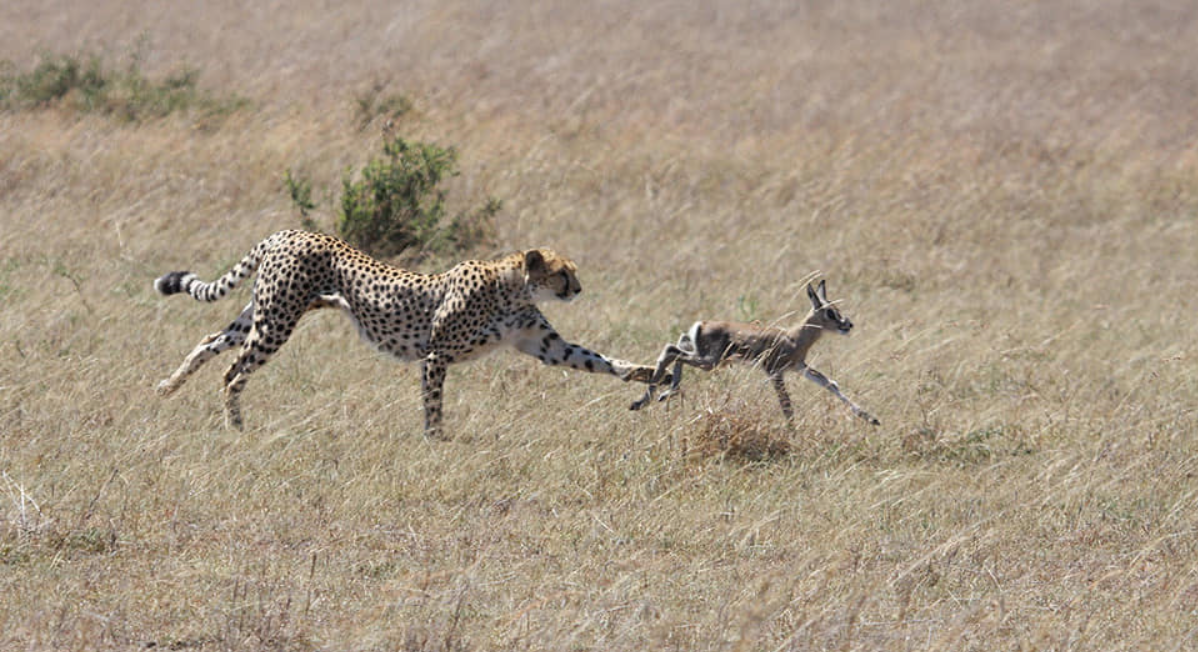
<point>707,344</point>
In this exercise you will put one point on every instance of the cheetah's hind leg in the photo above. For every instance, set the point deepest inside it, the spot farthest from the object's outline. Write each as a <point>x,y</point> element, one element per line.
<point>211,346</point>
<point>233,335</point>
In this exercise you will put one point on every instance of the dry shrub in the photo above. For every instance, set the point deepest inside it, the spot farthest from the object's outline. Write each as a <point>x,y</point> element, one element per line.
<point>739,432</point>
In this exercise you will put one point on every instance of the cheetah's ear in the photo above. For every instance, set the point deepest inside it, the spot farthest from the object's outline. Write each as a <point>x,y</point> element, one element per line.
<point>533,261</point>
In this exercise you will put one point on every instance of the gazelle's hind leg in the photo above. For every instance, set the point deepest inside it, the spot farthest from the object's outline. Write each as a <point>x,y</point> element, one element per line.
<point>683,351</point>
<point>706,362</point>
<point>779,384</point>
<point>668,355</point>
<point>674,384</point>
<point>208,348</point>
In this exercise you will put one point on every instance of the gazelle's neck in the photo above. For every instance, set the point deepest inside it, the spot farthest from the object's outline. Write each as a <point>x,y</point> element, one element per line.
<point>805,335</point>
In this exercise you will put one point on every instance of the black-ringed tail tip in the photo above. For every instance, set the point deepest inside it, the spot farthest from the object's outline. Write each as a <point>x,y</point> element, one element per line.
<point>173,282</point>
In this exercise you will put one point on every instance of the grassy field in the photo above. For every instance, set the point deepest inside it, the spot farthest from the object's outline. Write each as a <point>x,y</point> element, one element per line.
<point>1004,196</point>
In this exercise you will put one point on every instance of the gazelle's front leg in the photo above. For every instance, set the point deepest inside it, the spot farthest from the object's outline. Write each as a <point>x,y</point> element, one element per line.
<point>830,385</point>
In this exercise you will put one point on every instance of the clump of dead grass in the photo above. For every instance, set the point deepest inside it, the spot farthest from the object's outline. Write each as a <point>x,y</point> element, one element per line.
<point>739,432</point>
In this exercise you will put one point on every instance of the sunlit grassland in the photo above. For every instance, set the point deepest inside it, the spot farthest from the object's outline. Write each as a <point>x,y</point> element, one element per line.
<point>1001,196</point>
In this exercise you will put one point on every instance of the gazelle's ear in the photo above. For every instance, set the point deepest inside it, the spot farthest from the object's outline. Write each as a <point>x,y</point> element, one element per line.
<point>814,296</point>
<point>533,261</point>
<point>822,293</point>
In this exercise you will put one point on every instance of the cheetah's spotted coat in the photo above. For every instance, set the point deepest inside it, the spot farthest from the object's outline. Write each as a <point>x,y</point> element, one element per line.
<point>438,319</point>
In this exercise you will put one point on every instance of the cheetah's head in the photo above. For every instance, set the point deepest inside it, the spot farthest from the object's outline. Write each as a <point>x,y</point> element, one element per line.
<point>550,276</point>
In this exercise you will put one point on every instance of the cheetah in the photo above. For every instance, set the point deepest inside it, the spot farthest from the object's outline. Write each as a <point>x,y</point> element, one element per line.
<point>438,319</point>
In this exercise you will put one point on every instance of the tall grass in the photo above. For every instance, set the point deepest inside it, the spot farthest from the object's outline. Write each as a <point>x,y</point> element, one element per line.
<point>1003,195</point>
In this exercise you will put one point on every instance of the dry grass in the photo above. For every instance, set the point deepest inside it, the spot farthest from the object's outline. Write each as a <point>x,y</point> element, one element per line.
<point>1004,195</point>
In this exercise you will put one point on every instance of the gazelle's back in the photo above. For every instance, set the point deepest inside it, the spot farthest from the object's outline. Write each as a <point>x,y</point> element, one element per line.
<point>746,342</point>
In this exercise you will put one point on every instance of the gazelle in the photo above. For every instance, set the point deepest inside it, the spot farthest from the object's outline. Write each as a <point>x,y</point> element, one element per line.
<point>707,344</point>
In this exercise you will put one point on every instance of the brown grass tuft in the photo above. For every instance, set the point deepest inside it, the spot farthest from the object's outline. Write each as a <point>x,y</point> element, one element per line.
<point>737,432</point>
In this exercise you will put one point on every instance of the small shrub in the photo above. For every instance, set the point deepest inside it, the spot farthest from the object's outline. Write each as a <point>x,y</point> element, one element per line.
<point>301,195</point>
<point>396,204</point>
<point>87,85</point>
<point>54,78</point>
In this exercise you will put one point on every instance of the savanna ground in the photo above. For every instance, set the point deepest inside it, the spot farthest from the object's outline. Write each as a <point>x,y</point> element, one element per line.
<point>1004,196</point>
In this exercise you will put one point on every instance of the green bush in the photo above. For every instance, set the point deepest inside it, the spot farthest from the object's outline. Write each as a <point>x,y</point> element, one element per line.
<point>55,77</point>
<point>87,85</point>
<point>301,195</point>
<point>396,204</point>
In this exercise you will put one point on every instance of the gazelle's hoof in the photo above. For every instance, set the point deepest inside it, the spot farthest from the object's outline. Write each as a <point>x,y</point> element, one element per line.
<point>234,422</point>
<point>873,421</point>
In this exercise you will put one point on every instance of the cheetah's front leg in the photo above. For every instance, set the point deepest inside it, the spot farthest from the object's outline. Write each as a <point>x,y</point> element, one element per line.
<point>543,343</point>
<point>432,380</point>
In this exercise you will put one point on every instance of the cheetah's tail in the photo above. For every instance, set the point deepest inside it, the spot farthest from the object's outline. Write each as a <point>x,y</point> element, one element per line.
<point>176,282</point>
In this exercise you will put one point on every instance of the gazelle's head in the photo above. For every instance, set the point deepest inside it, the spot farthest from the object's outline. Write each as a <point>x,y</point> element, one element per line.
<point>824,315</point>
